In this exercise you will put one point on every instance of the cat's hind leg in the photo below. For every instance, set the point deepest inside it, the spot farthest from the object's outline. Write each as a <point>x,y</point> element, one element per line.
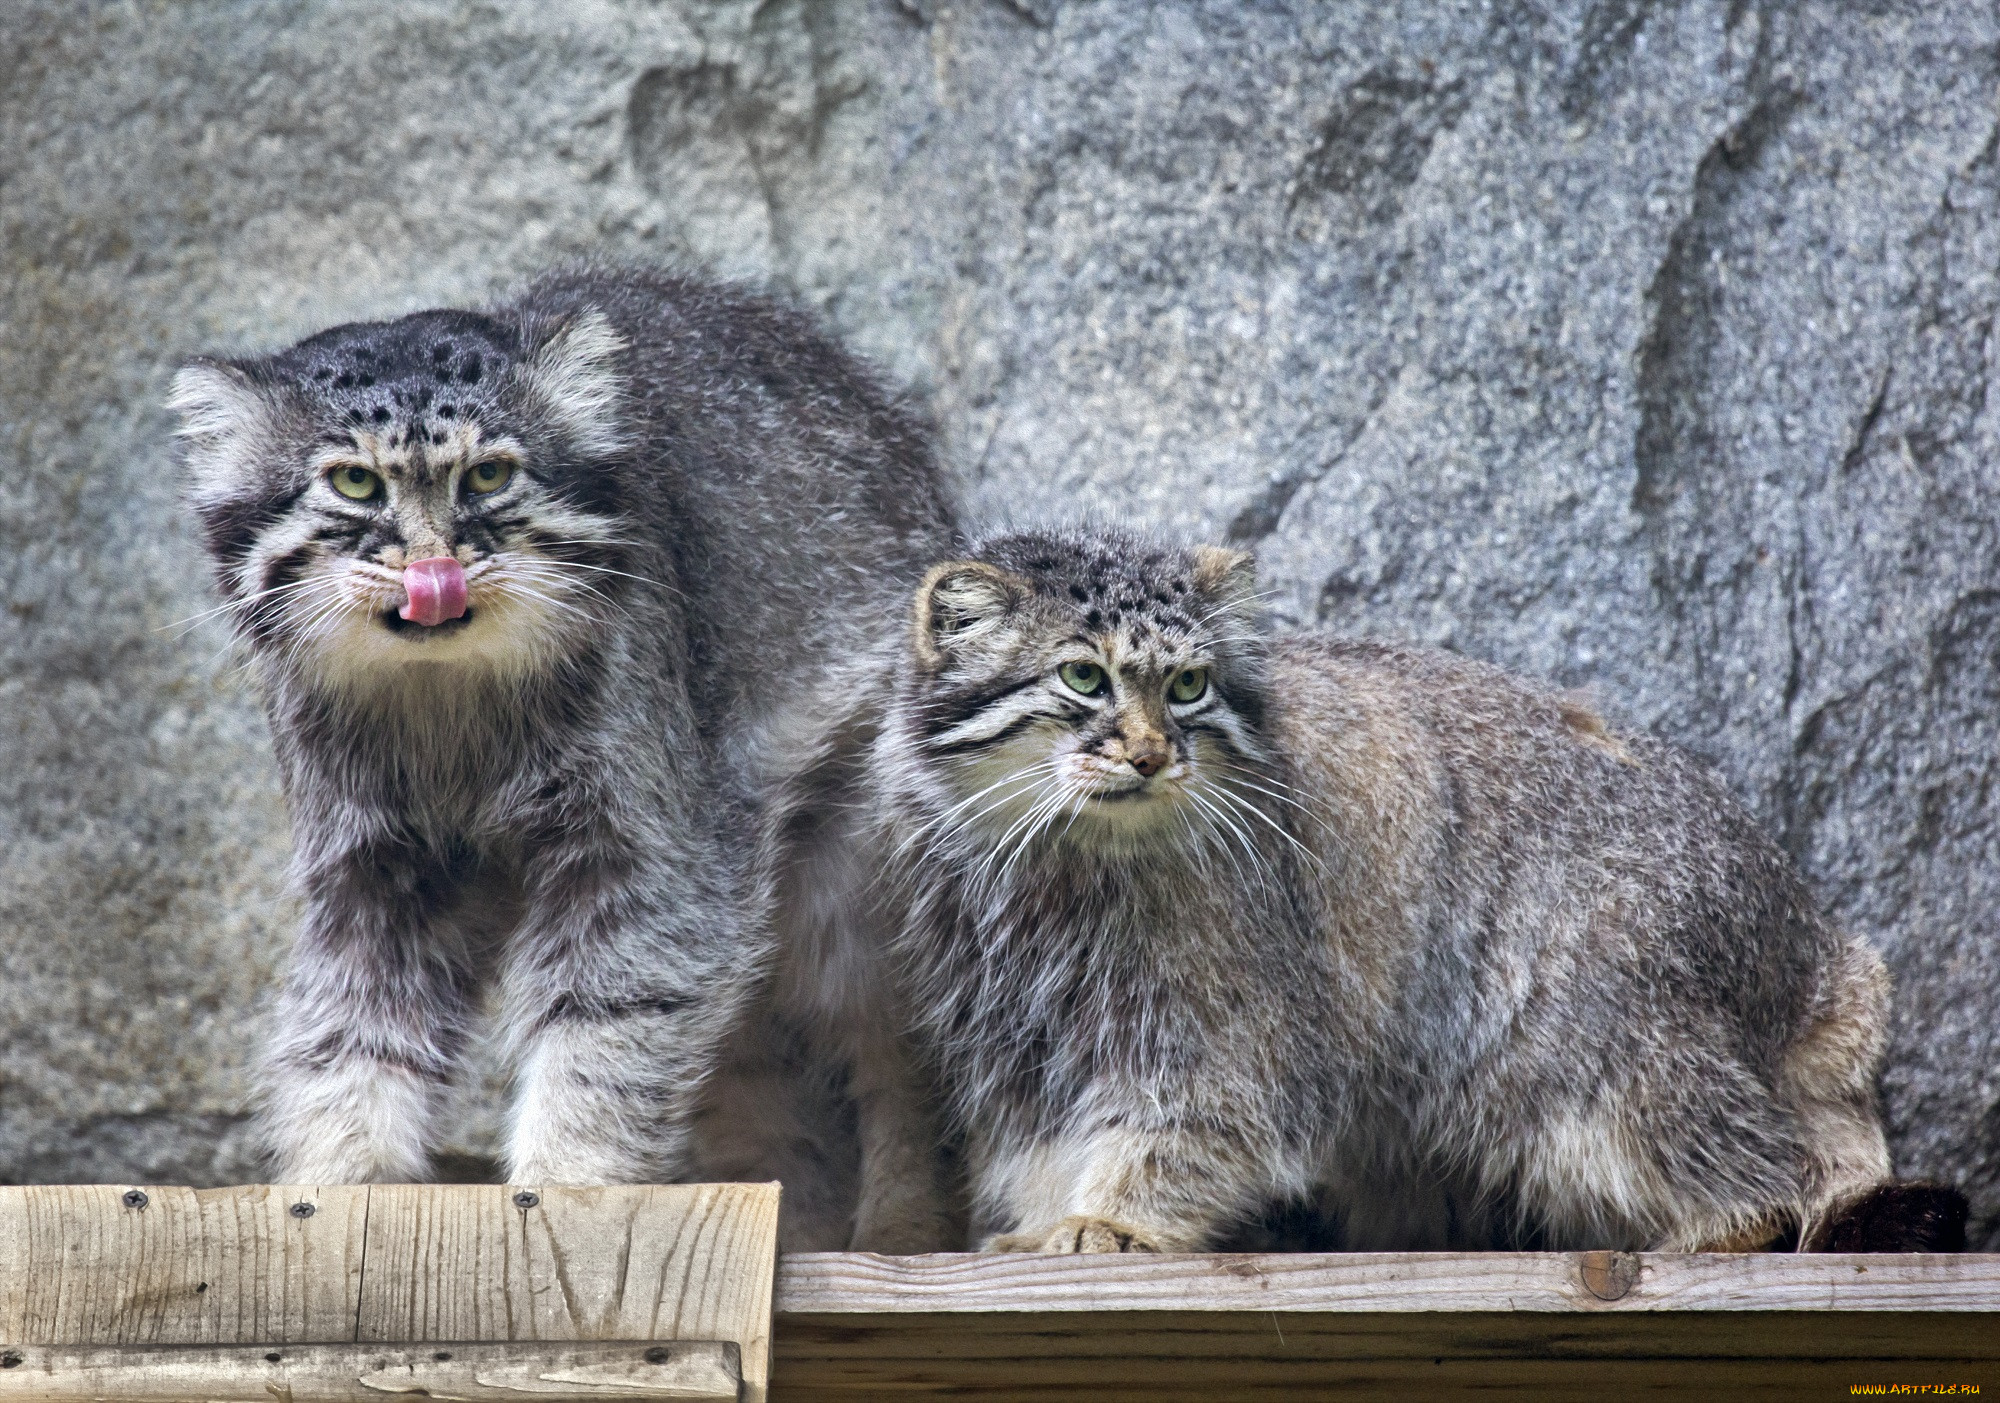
<point>1699,1160</point>
<point>903,1206</point>
<point>1124,1188</point>
<point>1828,1080</point>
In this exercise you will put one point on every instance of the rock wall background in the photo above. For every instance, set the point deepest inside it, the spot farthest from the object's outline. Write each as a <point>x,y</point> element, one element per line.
<point>1647,346</point>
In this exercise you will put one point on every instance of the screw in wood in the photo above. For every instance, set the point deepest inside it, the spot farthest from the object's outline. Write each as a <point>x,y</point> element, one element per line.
<point>659,1354</point>
<point>135,1198</point>
<point>526,1199</point>
<point>302,1210</point>
<point>12,1359</point>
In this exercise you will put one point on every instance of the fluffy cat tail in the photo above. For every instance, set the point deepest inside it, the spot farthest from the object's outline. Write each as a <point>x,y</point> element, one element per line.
<point>1900,1216</point>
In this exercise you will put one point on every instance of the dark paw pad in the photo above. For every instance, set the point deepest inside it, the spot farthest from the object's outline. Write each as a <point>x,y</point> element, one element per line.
<point>1912,1217</point>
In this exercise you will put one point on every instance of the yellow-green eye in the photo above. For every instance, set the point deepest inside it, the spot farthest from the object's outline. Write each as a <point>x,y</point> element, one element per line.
<point>489,476</point>
<point>1087,678</point>
<point>358,483</point>
<point>1188,684</point>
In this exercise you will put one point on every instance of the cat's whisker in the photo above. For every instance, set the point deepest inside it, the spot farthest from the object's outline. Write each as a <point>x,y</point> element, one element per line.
<point>1216,815</point>
<point>324,616</point>
<point>995,851</point>
<point>939,821</point>
<point>1040,767</point>
<point>182,626</point>
<point>1235,603</point>
<point>1050,810</point>
<point>557,589</point>
<point>1262,783</point>
<point>539,543</point>
<point>997,806</point>
<point>520,590</point>
<point>622,574</point>
<point>1025,824</point>
<point>1237,801</point>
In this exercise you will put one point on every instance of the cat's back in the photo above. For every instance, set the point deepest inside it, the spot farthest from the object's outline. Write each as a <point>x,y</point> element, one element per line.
<point>798,496</point>
<point>1503,820</point>
<point>1421,725</point>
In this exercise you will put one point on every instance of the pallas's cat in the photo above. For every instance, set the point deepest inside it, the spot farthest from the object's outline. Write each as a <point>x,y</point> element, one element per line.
<point>1194,918</point>
<point>525,588</point>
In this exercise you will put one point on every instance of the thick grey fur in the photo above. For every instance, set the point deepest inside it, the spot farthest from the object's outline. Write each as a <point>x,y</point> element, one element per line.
<point>549,811</point>
<point>1367,922</point>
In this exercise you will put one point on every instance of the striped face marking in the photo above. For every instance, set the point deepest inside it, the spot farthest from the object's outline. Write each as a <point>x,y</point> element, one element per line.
<point>1104,707</point>
<point>408,494</point>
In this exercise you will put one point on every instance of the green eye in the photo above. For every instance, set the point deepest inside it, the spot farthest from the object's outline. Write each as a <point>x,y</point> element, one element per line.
<point>1188,684</point>
<point>357,483</point>
<point>489,476</point>
<point>1087,678</point>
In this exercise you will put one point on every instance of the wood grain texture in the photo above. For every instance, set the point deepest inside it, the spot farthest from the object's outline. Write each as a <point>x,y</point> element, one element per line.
<point>551,1295</point>
<point>78,1265</point>
<point>373,1373</point>
<point>843,1283</point>
<point>637,1263</point>
<point>1168,1356</point>
<point>1380,1326</point>
<point>104,1265</point>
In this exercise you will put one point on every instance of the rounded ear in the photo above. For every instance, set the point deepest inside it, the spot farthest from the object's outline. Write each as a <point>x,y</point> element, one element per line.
<point>960,602</point>
<point>212,397</point>
<point>576,375</point>
<point>1226,574</point>
<point>225,420</point>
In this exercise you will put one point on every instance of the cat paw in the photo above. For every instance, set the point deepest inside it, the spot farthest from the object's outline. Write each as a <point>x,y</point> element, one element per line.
<point>1077,1233</point>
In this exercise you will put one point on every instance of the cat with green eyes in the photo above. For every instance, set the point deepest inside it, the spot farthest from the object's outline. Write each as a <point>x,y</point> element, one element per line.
<point>1190,919</point>
<point>525,588</point>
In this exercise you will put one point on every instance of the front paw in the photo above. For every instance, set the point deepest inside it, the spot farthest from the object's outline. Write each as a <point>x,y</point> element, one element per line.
<point>1077,1233</point>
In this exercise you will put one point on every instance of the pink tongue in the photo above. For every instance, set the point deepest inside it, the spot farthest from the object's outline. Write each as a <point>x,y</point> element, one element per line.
<point>436,588</point>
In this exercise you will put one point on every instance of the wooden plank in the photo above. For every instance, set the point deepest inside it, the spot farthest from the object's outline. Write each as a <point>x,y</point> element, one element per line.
<point>480,1262</point>
<point>842,1283</point>
<point>1380,1325</point>
<point>1272,1354</point>
<point>689,1370</point>
<point>106,1264</point>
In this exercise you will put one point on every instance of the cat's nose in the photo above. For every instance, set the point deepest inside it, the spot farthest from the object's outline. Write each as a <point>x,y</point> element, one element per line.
<point>1148,762</point>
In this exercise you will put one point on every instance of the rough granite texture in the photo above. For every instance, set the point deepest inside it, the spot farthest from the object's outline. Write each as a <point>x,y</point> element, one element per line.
<point>1647,346</point>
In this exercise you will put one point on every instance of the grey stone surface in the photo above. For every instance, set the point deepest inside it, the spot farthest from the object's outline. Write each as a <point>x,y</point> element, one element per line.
<point>1647,346</point>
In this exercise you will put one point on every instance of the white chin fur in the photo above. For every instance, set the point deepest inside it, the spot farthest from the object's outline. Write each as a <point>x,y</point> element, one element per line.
<point>504,638</point>
<point>1069,800</point>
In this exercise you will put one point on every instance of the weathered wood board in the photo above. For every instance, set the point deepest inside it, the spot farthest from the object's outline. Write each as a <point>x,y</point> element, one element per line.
<point>103,1267</point>
<point>312,1294</point>
<point>1381,1326</point>
<point>701,1372</point>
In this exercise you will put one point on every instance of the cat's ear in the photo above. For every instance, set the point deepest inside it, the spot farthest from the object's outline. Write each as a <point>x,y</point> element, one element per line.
<point>1225,575</point>
<point>1227,579</point>
<point>227,420</point>
<point>960,603</point>
<point>575,374</point>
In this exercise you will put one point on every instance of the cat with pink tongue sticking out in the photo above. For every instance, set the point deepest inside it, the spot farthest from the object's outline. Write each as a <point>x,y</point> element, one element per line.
<point>436,590</point>
<point>528,591</point>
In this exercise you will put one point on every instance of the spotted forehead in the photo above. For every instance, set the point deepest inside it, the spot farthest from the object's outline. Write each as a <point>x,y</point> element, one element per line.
<point>404,383</point>
<point>1150,597</point>
<point>1141,650</point>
